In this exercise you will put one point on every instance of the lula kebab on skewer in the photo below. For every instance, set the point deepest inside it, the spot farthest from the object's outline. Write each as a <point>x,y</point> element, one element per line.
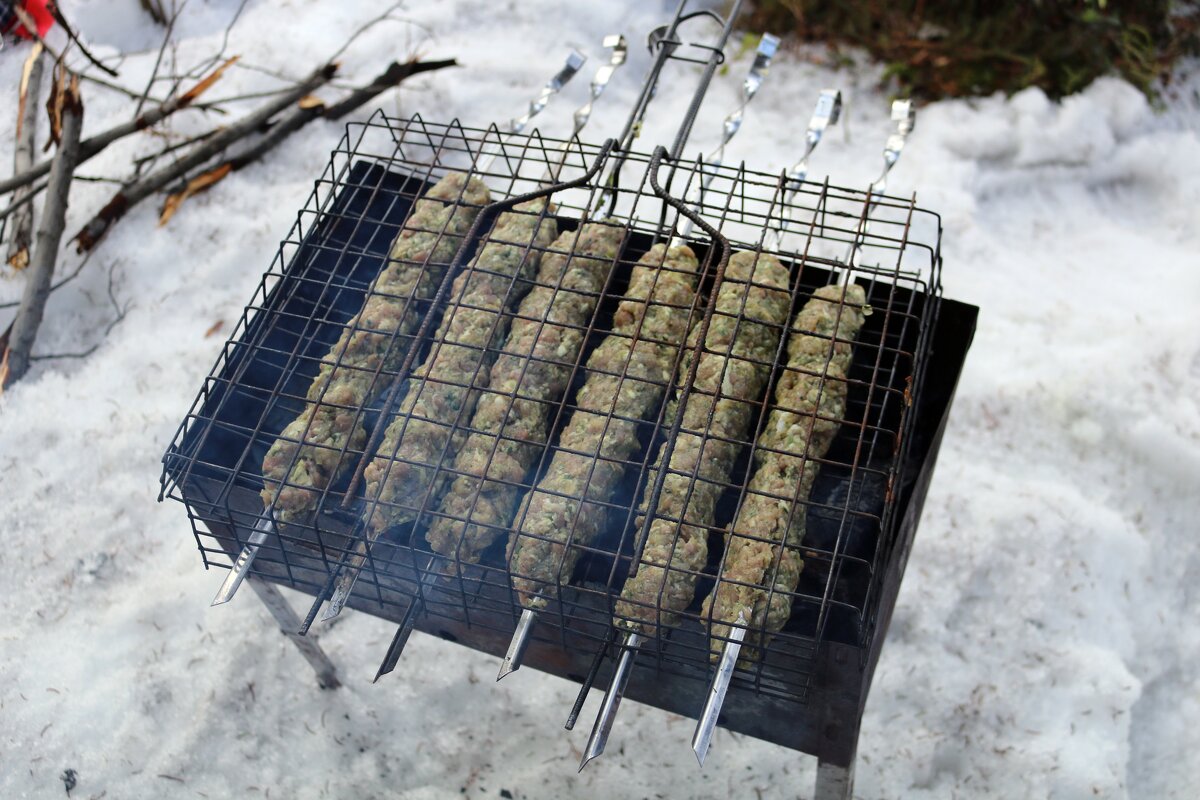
<point>810,400</point>
<point>556,519</point>
<point>315,448</point>
<point>405,474</point>
<point>545,386</point>
<point>733,371</point>
<point>732,374</point>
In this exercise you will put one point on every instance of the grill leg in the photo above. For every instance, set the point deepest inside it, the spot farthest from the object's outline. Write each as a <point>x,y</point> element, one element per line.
<point>289,624</point>
<point>834,782</point>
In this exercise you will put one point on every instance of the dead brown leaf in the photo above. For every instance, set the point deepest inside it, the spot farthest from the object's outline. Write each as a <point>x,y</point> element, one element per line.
<point>196,185</point>
<point>206,82</point>
<point>54,105</point>
<point>20,259</point>
<point>310,101</point>
<point>212,329</point>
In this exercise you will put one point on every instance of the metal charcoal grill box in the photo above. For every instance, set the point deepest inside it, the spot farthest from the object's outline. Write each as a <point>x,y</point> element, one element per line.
<point>810,690</point>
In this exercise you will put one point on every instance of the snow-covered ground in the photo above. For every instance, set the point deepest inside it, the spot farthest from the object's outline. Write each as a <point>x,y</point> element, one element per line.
<point>1046,639</point>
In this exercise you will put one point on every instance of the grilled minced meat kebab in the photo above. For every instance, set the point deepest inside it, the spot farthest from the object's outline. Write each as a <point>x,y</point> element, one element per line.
<point>762,557</point>
<point>734,368</point>
<point>374,341</point>
<point>512,419</point>
<point>444,388</point>
<point>596,445</point>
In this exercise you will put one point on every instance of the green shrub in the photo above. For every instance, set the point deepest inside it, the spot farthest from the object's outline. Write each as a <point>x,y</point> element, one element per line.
<point>954,48</point>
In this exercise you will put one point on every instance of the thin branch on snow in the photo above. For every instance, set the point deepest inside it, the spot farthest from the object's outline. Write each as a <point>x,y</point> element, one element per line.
<point>31,27</point>
<point>170,25</point>
<point>295,119</point>
<point>49,235</point>
<point>94,144</point>
<point>91,233</point>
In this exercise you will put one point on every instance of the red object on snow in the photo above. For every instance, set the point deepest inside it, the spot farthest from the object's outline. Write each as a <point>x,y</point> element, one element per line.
<point>37,9</point>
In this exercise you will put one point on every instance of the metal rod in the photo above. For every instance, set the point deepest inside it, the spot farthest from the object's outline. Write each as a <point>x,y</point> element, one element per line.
<point>826,114</point>
<point>707,723</point>
<point>612,700</point>
<point>663,42</point>
<point>904,117</point>
<point>311,616</point>
<point>516,647</point>
<point>263,528</point>
<point>588,680</point>
<point>729,128</point>
<point>400,638</point>
<point>575,62</point>
<point>716,57</point>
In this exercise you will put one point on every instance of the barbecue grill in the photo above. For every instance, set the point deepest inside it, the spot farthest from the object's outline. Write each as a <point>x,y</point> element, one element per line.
<point>805,686</point>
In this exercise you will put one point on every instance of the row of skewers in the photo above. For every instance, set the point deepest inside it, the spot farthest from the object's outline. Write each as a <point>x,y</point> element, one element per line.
<point>481,401</point>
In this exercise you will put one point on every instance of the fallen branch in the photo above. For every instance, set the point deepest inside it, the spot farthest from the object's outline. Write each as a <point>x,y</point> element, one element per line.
<point>94,144</point>
<point>116,208</point>
<point>27,114</point>
<point>49,235</point>
<point>304,112</point>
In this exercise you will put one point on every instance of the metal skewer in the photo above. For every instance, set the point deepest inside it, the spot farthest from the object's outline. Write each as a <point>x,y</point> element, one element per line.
<point>612,700</point>
<point>826,113</point>
<point>904,116</point>
<point>660,40</point>
<point>263,528</point>
<point>707,723</point>
<point>732,124</point>
<point>606,716</point>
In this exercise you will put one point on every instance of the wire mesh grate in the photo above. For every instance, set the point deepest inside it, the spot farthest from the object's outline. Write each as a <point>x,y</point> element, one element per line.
<point>293,350</point>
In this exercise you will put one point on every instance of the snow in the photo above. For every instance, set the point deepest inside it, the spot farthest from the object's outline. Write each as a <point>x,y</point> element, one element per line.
<point>1045,642</point>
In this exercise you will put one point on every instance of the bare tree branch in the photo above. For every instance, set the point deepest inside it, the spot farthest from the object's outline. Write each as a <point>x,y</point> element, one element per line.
<point>66,26</point>
<point>295,119</point>
<point>91,233</point>
<point>170,23</point>
<point>49,235</point>
<point>155,9</point>
<point>94,144</point>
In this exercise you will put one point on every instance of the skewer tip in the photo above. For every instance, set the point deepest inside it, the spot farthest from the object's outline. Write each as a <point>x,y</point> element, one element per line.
<point>506,668</point>
<point>334,608</point>
<point>516,648</point>
<point>228,588</point>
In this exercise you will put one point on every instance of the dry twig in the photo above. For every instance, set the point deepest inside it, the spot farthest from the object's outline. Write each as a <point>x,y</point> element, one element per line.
<point>15,360</point>
<point>94,144</point>
<point>304,112</point>
<point>91,233</point>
